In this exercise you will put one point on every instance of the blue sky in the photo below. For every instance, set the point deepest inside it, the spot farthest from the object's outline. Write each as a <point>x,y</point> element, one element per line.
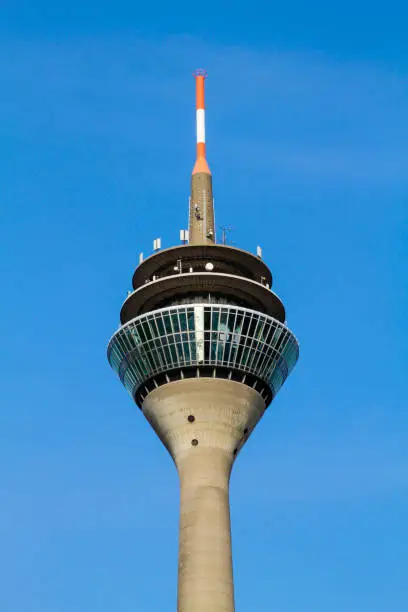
<point>307,128</point>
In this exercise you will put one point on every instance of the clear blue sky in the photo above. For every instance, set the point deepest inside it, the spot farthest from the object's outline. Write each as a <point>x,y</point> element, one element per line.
<point>308,130</point>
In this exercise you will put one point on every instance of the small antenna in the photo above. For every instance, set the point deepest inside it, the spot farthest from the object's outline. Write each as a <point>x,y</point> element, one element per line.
<point>225,229</point>
<point>259,252</point>
<point>184,236</point>
<point>157,244</point>
<point>140,258</point>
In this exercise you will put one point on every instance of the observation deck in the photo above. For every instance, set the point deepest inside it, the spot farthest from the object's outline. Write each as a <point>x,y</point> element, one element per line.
<point>203,339</point>
<point>214,272</point>
<point>225,258</point>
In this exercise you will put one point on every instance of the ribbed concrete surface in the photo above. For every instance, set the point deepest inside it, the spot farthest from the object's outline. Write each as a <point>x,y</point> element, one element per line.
<point>223,410</point>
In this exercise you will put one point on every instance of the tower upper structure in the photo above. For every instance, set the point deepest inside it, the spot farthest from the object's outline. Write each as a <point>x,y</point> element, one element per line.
<point>203,348</point>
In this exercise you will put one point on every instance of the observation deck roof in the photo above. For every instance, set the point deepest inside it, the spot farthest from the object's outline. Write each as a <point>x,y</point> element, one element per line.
<point>239,261</point>
<point>153,294</point>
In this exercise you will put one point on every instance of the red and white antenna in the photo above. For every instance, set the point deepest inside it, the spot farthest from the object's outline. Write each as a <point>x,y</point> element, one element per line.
<point>201,214</point>
<point>201,164</point>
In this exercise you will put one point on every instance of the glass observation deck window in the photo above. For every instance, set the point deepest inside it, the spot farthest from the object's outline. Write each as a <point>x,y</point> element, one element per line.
<point>197,335</point>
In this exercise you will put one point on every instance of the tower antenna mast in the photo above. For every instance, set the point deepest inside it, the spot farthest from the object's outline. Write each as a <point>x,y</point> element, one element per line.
<point>201,218</point>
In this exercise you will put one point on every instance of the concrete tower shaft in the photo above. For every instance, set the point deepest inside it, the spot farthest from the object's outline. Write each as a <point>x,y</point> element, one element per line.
<point>203,348</point>
<point>204,423</point>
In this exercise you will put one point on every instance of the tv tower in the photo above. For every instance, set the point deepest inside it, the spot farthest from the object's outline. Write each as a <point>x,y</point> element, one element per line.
<point>203,349</point>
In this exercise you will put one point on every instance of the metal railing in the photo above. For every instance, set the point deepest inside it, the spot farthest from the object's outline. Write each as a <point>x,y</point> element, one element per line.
<point>215,335</point>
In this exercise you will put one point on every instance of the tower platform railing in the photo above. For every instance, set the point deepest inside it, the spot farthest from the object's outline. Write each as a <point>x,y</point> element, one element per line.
<point>203,336</point>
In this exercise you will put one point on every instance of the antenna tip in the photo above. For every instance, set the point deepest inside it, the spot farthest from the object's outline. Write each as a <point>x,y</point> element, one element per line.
<point>200,72</point>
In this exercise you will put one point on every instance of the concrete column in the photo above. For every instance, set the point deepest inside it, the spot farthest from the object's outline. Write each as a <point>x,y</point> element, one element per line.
<point>205,560</point>
<point>203,422</point>
<point>201,215</point>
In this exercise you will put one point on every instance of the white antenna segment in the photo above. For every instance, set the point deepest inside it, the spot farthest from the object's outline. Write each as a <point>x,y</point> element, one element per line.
<point>140,258</point>
<point>259,252</point>
<point>184,236</point>
<point>156,244</point>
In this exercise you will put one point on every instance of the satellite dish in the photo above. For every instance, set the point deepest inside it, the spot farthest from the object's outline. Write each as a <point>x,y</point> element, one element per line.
<point>209,266</point>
